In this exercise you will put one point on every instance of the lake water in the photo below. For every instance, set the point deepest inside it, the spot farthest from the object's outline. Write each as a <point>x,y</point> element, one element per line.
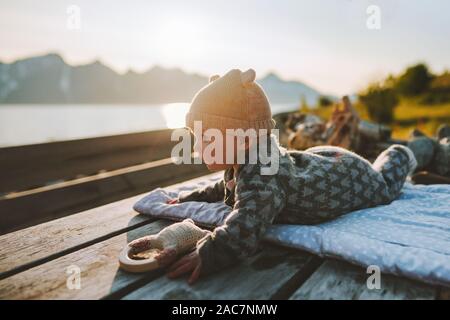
<point>29,124</point>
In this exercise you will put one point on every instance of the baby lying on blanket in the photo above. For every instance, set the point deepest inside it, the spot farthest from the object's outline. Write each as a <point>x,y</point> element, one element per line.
<point>296,187</point>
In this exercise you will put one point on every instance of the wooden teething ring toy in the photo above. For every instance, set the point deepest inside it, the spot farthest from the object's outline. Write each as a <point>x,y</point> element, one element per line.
<point>182,236</point>
<point>129,264</point>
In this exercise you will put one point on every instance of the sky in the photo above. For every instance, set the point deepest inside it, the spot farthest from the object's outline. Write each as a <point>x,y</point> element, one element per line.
<point>324,43</point>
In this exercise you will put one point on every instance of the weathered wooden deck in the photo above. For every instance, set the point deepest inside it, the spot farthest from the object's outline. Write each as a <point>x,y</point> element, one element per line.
<point>47,181</point>
<point>45,231</point>
<point>34,264</point>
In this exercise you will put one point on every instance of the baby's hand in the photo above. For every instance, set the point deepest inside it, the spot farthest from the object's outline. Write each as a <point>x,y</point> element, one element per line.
<point>190,263</point>
<point>166,257</point>
<point>172,201</point>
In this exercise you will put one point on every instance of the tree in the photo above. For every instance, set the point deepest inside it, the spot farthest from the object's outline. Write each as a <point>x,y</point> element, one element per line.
<point>438,91</point>
<point>324,101</point>
<point>380,102</point>
<point>414,81</point>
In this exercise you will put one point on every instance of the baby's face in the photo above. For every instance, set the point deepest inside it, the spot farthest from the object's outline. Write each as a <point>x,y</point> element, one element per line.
<point>214,151</point>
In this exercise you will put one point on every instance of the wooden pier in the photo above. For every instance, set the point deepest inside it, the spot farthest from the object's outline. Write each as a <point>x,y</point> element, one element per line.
<point>67,206</point>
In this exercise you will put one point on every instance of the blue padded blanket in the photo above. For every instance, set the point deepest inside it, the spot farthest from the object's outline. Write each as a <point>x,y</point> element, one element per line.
<point>410,237</point>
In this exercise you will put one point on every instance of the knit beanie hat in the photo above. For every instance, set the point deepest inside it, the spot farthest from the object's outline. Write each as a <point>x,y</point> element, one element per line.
<point>233,101</point>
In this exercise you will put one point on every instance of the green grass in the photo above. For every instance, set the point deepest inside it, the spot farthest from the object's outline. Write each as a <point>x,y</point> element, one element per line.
<point>410,109</point>
<point>410,114</point>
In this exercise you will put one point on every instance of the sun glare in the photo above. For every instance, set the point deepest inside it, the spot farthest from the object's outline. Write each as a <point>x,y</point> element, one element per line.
<point>174,114</point>
<point>178,37</point>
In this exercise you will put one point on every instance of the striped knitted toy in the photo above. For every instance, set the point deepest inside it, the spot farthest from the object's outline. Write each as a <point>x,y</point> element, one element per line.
<point>139,255</point>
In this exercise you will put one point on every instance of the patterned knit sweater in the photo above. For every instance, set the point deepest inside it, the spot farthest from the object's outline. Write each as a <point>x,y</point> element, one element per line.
<point>311,186</point>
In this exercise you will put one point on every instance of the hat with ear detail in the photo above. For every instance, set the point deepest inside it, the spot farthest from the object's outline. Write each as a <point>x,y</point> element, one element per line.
<point>214,77</point>
<point>248,77</point>
<point>233,101</point>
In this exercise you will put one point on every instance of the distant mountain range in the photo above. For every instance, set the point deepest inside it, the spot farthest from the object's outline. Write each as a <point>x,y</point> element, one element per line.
<point>49,79</point>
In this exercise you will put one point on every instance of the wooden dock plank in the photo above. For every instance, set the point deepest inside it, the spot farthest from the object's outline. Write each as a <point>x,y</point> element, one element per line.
<point>32,245</point>
<point>271,274</point>
<point>31,166</point>
<point>35,245</point>
<point>55,201</point>
<point>98,263</point>
<point>337,280</point>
